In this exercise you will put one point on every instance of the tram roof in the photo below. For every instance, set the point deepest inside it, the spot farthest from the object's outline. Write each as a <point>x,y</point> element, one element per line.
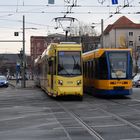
<point>61,46</point>
<point>98,52</point>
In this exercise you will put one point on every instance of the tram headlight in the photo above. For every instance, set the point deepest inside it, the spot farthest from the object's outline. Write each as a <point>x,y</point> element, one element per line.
<point>78,82</point>
<point>60,82</point>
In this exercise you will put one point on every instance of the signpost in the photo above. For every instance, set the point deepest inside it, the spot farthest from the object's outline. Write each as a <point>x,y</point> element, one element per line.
<point>23,82</point>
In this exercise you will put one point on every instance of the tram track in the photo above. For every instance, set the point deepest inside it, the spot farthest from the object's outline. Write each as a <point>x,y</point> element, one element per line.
<point>98,131</point>
<point>90,130</point>
<point>119,117</point>
<point>87,127</point>
<point>123,120</point>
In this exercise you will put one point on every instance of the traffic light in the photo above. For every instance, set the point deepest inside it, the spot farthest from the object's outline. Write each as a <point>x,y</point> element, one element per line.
<point>20,55</point>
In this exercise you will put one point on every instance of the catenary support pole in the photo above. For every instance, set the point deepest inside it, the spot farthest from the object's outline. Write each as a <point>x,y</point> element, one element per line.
<point>23,81</point>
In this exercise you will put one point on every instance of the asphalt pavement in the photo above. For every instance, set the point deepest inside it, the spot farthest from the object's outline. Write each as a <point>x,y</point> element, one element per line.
<point>29,114</point>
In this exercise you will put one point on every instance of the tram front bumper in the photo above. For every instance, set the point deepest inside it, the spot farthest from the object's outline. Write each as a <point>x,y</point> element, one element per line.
<point>70,91</point>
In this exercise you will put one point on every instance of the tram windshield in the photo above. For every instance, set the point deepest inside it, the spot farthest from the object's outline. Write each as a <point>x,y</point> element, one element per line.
<point>69,63</point>
<point>118,64</point>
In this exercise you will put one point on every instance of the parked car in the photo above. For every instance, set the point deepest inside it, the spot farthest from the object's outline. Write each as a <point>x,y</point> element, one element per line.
<point>3,81</point>
<point>136,81</point>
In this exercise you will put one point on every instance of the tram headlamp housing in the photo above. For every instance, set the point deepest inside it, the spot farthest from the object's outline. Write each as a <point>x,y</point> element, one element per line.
<point>78,82</point>
<point>60,82</point>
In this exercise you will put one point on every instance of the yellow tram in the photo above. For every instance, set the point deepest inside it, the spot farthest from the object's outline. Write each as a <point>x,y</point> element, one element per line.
<point>58,70</point>
<point>108,71</point>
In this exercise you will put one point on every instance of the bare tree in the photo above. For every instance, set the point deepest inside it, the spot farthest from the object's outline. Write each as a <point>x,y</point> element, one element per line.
<point>83,29</point>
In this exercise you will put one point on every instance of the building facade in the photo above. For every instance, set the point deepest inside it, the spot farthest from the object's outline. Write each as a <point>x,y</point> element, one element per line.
<point>38,44</point>
<point>122,33</point>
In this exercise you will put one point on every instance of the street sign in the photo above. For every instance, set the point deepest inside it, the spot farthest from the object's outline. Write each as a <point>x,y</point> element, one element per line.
<point>50,1</point>
<point>16,33</point>
<point>17,72</point>
<point>114,1</point>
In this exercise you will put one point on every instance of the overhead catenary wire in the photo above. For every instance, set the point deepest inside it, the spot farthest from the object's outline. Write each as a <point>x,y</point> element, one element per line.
<point>51,6</point>
<point>118,9</point>
<point>87,12</point>
<point>28,22</point>
<point>101,1</point>
<point>111,12</point>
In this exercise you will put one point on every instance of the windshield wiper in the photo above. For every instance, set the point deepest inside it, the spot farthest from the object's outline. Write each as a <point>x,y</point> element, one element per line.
<point>76,65</point>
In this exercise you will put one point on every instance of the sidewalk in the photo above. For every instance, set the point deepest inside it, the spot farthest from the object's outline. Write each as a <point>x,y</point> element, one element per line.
<point>28,84</point>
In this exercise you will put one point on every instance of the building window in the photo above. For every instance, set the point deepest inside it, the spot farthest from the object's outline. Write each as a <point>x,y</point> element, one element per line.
<point>131,43</point>
<point>130,33</point>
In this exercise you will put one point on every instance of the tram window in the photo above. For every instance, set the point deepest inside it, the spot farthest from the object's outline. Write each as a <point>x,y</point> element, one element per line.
<point>38,69</point>
<point>92,69</point>
<point>118,64</point>
<point>88,69</point>
<point>130,67</point>
<point>69,63</point>
<point>50,62</point>
<point>103,67</point>
<point>48,68</point>
<point>84,69</point>
<point>96,68</point>
<point>54,65</point>
<point>51,69</point>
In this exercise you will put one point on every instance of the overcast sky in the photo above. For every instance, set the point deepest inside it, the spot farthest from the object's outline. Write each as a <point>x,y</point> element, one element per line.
<point>39,17</point>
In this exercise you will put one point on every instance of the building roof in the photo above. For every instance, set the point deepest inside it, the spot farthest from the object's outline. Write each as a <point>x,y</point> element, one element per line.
<point>122,23</point>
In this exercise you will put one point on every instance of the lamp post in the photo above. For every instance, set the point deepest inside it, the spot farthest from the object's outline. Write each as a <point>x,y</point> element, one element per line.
<point>22,53</point>
<point>23,59</point>
<point>102,32</point>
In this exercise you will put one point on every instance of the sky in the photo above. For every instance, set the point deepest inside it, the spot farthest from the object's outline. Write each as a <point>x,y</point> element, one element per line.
<point>40,18</point>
